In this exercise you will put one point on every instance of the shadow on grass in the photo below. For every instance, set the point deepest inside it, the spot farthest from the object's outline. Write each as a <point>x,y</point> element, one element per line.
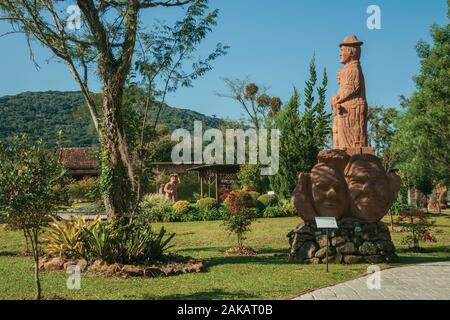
<point>264,256</point>
<point>421,259</point>
<point>8,254</point>
<point>255,259</point>
<point>436,254</point>
<point>214,294</point>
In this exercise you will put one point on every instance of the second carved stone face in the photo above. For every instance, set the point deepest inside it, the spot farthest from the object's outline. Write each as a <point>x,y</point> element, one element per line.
<point>329,191</point>
<point>369,187</point>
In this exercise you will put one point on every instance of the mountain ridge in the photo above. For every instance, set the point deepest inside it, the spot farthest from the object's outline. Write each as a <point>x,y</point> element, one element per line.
<point>41,114</point>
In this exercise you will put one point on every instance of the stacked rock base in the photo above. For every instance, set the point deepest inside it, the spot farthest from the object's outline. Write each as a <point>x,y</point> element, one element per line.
<point>353,242</point>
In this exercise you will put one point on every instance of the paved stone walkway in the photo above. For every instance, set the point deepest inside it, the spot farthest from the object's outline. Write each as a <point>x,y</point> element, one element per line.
<point>428,281</point>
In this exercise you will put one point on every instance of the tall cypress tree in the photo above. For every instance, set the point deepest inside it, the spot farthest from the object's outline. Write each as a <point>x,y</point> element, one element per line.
<point>309,146</point>
<point>322,128</point>
<point>303,135</point>
<point>288,121</point>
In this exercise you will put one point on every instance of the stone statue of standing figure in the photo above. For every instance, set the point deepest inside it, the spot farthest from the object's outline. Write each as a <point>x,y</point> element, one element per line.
<point>170,188</point>
<point>349,106</point>
<point>348,182</point>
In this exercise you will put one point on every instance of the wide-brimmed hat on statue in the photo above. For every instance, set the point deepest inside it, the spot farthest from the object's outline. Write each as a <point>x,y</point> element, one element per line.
<point>351,41</point>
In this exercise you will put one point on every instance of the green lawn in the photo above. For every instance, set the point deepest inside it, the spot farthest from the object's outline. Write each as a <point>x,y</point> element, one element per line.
<point>264,276</point>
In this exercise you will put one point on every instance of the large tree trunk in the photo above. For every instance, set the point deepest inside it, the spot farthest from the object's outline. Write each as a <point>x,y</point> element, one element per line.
<point>120,198</point>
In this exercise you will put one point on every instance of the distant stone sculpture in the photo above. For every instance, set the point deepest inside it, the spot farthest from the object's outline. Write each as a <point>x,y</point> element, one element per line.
<point>170,188</point>
<point>349,106</point>
<point>161,189</point>
<point>342,186</point>
<point>438,200</point>
<point>442,196</point>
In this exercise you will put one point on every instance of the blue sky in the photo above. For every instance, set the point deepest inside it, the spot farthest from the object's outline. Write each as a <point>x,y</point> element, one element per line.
<point>271,42</point>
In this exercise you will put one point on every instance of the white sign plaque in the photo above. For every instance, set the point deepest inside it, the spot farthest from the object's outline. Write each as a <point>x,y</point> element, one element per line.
<point>326,223</point>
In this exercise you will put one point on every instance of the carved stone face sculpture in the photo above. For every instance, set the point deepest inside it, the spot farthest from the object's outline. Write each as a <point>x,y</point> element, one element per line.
<point>323,192</point>
<point>329,189</point>
<point>371,189</point>
<point>301,198</point>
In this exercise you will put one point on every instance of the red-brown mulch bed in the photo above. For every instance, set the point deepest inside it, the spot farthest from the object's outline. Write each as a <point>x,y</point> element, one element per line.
<point>171,265</point>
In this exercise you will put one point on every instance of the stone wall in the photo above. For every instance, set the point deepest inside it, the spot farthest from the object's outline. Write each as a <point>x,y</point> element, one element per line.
<point>356,242</point>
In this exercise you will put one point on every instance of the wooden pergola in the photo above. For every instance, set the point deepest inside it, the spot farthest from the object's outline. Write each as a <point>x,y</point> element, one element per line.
<point>223,174</point>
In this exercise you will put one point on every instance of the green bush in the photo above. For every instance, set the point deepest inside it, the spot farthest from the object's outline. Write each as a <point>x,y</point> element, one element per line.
<point>156,207</point>
<point>84,190</point>
<point>134,243</point>
<point>399,206</point>
<point>240,213</point>
<point>283,208</point>
<point>244,197</point>
<point>181,207</point>
<point>266,200</point>
<point>287,207</point>
<point>255,195</point>
<point>207,203</point>
<point>212,214</point>
<point>273,212</point>
<point>250,178</point>
<point>238,222</point>
<point>417,228</point>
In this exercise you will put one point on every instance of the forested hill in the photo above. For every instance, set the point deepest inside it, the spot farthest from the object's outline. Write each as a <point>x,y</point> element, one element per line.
<point>42,114</point>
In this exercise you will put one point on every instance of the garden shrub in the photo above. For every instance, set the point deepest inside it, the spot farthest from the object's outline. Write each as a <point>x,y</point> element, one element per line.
<point>250,178</point>
<point>273,211</point>
<point>255,195</point>
<point>287,207</point>
<point>417,226</point>
<point>399,206</point>
<point>181,207</point>
<point>112,242</point>
<point>239,214</point>
<point>84,190</point>
<point>212,214</point>
<point>207,203</point>
<point>283,208</point>
<point>65,237</point>
<point>32,184</point>
<point>244,198</point>
<point>266,200</point>
<point>156,207</point>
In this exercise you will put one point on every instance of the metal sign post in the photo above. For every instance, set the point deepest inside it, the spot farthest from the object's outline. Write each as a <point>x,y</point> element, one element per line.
<point>326,223</point>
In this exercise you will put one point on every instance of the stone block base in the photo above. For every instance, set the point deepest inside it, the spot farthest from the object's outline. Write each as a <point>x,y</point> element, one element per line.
<point>353,242</point>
